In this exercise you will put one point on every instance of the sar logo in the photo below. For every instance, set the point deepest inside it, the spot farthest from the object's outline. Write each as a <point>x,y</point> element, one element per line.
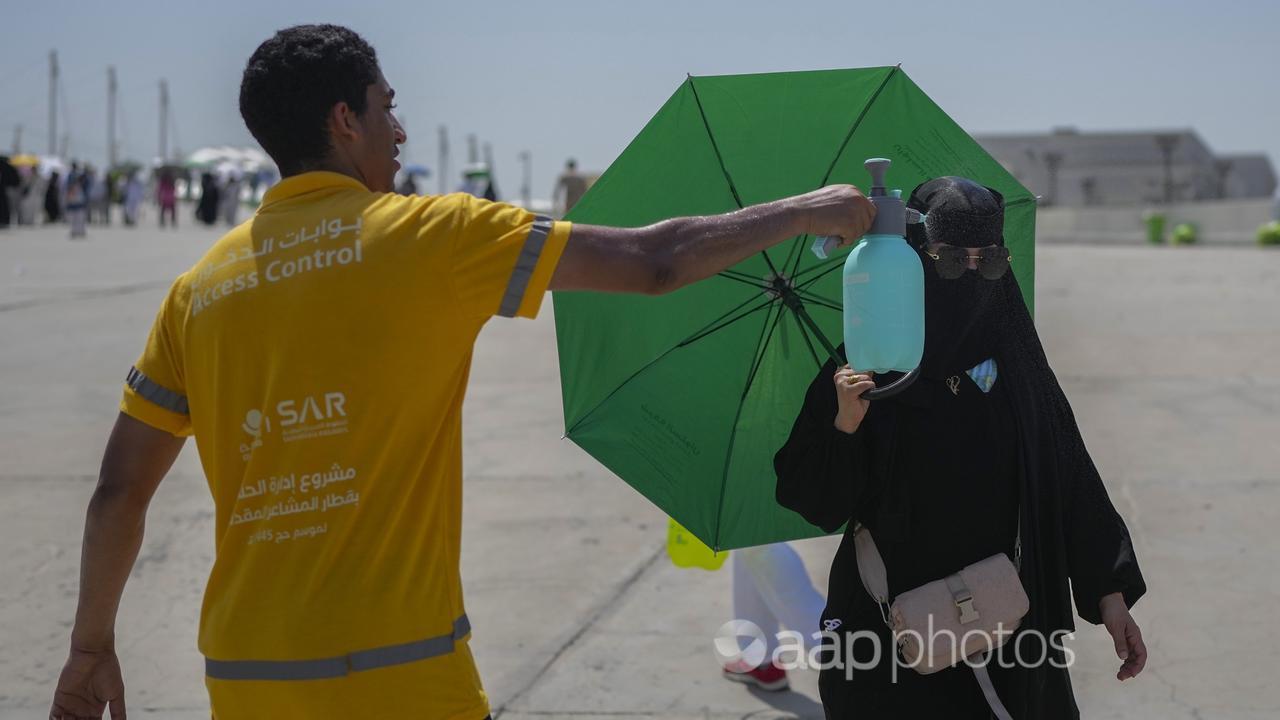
<point>254,425</point>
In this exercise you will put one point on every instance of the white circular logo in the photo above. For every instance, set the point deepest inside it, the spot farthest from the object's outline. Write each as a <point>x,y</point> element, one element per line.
<point>740,645</point>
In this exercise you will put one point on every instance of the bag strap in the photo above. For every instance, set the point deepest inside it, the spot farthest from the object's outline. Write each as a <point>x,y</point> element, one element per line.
<point>1017,545</point>
<point>989,691</point>
<point>875,579</point>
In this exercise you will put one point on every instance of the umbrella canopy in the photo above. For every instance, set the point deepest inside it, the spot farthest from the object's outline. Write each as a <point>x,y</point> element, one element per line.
<point>24,161</point>
<point>206,157</point>
<point>242,159</point>
<point>687,396</point>
<point>49,165</point>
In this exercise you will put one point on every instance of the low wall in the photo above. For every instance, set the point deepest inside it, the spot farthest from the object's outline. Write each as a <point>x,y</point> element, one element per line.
<point>1226,222</point>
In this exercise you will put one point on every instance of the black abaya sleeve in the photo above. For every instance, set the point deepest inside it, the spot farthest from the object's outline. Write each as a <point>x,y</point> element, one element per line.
<point>822,471</point>
<point>1100,552</point>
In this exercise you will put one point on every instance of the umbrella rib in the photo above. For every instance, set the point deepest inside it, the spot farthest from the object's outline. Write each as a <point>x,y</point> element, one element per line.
<point>861,116</point>
<point>823,268</point>
<point>797,242</point>
<point>761,345</point>
<point>736,273</point>
<point>744,279</point>
<point>722,322</point>
<point>804,334</point>
<point>819,301</point>
<point>715,147</point>
<point>766,334</point>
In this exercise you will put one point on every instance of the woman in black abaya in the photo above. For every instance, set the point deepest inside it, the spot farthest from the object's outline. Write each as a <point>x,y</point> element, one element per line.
<point>942,473</point>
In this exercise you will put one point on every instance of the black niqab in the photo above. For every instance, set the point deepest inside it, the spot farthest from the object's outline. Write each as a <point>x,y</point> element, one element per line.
<point>964,317</point>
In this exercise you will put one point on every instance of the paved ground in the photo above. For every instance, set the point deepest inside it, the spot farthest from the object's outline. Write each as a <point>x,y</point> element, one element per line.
<point>1169,356</point>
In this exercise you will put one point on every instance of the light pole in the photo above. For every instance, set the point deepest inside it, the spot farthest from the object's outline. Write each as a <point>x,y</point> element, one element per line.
<point>443,166</point>
<point>1053,161</point>
<point>111,117</point>
<point>1168,142</point>
<point>164,121</point>
<point>526,191</point>
<point>53,102</point>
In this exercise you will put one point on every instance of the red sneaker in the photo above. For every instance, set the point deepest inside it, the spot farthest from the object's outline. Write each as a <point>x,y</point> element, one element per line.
<point>766,677</point>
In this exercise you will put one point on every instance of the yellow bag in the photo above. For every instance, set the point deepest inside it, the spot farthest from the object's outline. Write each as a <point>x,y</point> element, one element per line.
<point>686,550</point>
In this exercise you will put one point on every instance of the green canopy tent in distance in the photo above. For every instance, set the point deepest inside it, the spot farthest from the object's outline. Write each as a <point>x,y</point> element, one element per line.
<point>687,396</point>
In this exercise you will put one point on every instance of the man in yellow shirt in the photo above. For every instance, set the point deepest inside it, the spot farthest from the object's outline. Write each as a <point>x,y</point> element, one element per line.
<point>319,354</point>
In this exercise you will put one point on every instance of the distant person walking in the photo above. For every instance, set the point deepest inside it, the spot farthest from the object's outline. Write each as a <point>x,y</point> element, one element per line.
<point>53,199</point>
<point>569,188</point>
<point>207,208</point>
<point>99,196</point>
<point>133,193</point>
<point>31,197</point>
<point>77,200</point>
<point>167,197</point>
<point>229,199</point>
<point>8,179</point>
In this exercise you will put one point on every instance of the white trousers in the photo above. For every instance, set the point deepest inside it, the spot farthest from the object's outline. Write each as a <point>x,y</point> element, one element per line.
<point>771,588</point>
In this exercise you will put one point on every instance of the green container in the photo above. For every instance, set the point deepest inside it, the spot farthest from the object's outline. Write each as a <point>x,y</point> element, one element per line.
<point>1185,234</point>
<point>1269,233</point>
<point>1155,228</point>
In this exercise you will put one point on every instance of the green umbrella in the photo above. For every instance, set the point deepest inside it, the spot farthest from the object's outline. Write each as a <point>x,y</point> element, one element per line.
<point>687,396</point>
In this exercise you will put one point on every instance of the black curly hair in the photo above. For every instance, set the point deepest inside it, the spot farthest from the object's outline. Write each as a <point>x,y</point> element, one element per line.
<point>292,81</point>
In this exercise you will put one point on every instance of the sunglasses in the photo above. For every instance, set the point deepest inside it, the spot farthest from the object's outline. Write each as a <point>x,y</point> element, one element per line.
<point>951,261</point>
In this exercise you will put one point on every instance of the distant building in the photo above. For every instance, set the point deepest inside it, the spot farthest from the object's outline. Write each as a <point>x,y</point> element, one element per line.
<point>1249,176</point>
<point>1072,168</point>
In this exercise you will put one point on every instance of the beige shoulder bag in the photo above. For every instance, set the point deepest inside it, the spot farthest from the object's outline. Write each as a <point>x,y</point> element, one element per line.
<point>963,616</point>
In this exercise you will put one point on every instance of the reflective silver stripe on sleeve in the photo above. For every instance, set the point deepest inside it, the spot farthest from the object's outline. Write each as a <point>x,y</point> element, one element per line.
<point>338,666</point>
<point>528,260</point>
<point>162,396</point>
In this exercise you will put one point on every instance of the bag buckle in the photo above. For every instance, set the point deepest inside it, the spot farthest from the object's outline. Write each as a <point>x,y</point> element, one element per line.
<point>967,612</point>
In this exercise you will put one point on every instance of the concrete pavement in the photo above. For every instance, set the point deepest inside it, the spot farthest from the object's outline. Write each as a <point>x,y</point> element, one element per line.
<point>1169,356</point>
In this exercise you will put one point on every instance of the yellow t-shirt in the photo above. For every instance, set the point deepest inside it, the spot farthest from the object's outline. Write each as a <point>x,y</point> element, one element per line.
<point>319,354</point>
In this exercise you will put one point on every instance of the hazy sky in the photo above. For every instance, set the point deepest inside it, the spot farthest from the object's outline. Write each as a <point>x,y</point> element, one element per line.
<point>581,78</point>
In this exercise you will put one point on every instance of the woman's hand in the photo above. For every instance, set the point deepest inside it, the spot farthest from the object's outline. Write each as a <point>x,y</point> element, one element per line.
<point>1125,633</point>
<point>850,385</point>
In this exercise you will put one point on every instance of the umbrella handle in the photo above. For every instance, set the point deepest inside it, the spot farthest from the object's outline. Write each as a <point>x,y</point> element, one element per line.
<point>894,387</point>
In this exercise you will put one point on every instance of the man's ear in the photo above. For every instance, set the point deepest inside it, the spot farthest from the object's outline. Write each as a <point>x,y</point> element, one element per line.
<point>343,122</point>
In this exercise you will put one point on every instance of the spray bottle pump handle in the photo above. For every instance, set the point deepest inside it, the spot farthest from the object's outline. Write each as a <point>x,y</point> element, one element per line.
<point>877,167</point>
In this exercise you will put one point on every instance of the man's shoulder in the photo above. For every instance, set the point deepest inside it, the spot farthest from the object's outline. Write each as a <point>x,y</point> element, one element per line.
<point>389,206</point>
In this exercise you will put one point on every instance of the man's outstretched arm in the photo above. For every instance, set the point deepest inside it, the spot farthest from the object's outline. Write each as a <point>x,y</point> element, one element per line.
<point>669,255</point>
<point>135,461</point>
